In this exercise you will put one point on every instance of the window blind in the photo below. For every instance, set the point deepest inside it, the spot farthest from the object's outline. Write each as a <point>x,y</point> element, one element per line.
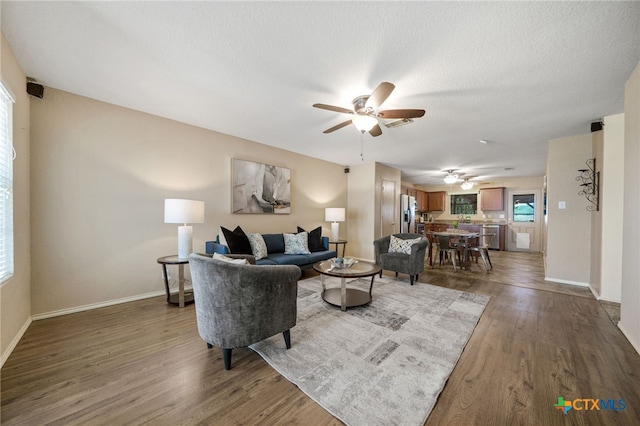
<point>6,184</point>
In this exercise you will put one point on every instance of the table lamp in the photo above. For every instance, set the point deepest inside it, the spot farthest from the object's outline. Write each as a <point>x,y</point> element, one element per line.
<point>335,215</point>
<point>184,211</point>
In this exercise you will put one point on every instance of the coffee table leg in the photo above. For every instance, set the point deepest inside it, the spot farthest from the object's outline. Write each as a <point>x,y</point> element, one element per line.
<point>343,294</point>
<point>322,281</point>
<point>371,287</point>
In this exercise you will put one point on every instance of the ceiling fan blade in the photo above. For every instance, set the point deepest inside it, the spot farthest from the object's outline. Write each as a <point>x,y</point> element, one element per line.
<point>338,126</point>
<point>379,95</point>
<point>375,131</point>
<point>401,113</point>
<point>333,108</point>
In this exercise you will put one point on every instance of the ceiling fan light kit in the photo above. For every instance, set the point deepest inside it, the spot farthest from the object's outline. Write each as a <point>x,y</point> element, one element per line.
<point>466,185</point>
<point>364,123</point>
<point>451,177</point>
<point>366,115</point>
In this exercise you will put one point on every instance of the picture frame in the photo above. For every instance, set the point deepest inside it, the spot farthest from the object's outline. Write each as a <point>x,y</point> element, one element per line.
<point>259,188</point>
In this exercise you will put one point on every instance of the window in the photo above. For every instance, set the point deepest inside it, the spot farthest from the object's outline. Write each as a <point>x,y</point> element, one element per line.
<point>524,208</point>
<point>464,204</point>
<point>6,184</point>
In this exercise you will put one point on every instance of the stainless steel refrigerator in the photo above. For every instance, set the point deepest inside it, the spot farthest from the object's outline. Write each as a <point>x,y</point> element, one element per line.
<point>407,213</point>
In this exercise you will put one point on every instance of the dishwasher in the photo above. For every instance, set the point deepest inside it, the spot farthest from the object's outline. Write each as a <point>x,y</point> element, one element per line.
<point>492,242</point>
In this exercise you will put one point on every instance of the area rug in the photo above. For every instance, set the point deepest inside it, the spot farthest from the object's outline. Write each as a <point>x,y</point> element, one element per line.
<point>384,363</point>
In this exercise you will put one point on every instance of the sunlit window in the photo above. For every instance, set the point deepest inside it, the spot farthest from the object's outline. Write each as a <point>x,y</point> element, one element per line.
<point>6,184</point>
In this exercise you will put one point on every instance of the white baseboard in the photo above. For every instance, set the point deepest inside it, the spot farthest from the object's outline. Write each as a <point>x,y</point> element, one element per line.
<point>15,341</point>
<point>634,343</point>
<point>559,281</point>
<point>97,305</point>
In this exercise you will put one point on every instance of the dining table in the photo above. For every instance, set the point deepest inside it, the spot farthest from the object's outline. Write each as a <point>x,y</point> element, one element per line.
<point>460,234</point>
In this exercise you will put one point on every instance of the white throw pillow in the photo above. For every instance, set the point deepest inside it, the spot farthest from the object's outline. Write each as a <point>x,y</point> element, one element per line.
<point>398,245</point>
<point>296,243</point>
<point>258,246</point>
<point>224,258</point>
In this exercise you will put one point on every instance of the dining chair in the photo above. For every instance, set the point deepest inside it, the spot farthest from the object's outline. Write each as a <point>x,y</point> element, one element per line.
<point>482,248</point>
<point>446,249</point>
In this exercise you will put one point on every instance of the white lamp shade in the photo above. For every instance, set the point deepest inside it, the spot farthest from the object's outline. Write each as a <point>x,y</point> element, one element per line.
<point>334,214</point>
<point>183,211</point>
<point>466,185</point>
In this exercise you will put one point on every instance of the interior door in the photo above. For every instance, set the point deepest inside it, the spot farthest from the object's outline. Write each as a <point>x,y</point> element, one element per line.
<point>524,224</point>
<point>388,213</point>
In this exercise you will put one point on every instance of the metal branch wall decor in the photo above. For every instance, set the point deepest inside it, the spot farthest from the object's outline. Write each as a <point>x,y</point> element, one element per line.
<point>590,186</point>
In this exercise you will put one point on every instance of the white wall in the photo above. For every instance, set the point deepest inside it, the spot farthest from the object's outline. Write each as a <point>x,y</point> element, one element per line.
<point>630,309</point>
<point>15,293</point>
<point>100,174</point>
<point>568,230</point>
<point>612,206</point>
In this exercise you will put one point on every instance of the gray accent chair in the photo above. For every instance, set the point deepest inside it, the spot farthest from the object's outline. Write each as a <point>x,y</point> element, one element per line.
<point>411,264</point>
<point>238,305</point>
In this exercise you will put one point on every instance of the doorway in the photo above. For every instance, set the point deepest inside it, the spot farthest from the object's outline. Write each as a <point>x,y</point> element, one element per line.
<point>524,221</point>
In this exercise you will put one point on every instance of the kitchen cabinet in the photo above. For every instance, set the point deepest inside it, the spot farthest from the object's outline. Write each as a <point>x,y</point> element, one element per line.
<point>492,199</point>
<point>422,201</point>
<point>407,190</point>
<point>436,201</point>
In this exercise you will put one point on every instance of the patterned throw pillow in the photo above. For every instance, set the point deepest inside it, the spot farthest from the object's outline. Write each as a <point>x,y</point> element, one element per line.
<point>398,245</point>
<point>296,243</point>
<point>258,246</point>
<point>224,258</point>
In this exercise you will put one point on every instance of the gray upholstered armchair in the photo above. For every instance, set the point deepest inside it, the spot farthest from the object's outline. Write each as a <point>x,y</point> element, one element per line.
<point>411,263</point>
<point>237,305</point>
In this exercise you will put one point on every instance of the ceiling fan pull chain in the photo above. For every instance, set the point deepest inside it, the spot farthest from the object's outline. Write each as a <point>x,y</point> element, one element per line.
<point>362,146</point>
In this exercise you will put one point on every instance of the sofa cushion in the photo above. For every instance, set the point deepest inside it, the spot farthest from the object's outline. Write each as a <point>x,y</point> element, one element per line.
<point>398,245</point>
<point>237,241</point>
<point>274,242</point>
<point>314,242</point>
<point>317,256</point>
<point>258,246</point>
<point>296,243</point>
<point>289,259</point>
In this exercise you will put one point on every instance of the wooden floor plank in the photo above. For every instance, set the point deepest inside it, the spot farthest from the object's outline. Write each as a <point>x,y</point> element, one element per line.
<point>144,363</point>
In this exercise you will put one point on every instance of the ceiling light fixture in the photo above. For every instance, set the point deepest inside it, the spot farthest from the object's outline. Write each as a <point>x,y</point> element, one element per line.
<point>364,123</point>
<point>466,185</point>
<point>451,177</point>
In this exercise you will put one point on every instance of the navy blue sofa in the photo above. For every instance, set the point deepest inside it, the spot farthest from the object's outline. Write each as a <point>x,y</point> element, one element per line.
<point>276,256</point>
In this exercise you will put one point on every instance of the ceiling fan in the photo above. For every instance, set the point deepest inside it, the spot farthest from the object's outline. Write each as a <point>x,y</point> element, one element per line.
<point>365,111</point>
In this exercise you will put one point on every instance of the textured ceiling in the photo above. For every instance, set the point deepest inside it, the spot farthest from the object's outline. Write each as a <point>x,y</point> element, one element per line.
<point>515,74</point>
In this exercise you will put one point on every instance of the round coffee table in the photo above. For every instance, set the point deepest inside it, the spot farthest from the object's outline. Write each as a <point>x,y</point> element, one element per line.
<point>343,296</point>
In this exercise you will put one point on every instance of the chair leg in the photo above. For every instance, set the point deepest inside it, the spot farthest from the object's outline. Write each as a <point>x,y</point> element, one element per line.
<point>226,356</point>
<point>411,279</point>
<point>453,260</point>
<point>380,273</point>
<point>396,273</point>
<point>488,258</point>
<point>484,260</point>
<point>209,345</point>
<point>287,338</point>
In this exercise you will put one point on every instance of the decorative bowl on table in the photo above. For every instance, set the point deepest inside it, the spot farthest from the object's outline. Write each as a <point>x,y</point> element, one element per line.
<point>341,263</point>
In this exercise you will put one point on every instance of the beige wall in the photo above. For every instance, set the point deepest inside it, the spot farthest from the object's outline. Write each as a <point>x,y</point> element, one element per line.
<point>568,230</point>
<point>630,292</point>
<point>361,211</point>
<point>15,293</point>
<point>100,174</point>
<point>612,206</point>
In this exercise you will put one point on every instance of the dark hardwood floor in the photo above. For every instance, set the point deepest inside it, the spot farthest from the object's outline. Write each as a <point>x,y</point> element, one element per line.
<point>144,363</point>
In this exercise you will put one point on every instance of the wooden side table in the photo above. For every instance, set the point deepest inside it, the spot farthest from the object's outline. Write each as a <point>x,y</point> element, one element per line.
<point>344,245</point>
<point>181,299</point>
